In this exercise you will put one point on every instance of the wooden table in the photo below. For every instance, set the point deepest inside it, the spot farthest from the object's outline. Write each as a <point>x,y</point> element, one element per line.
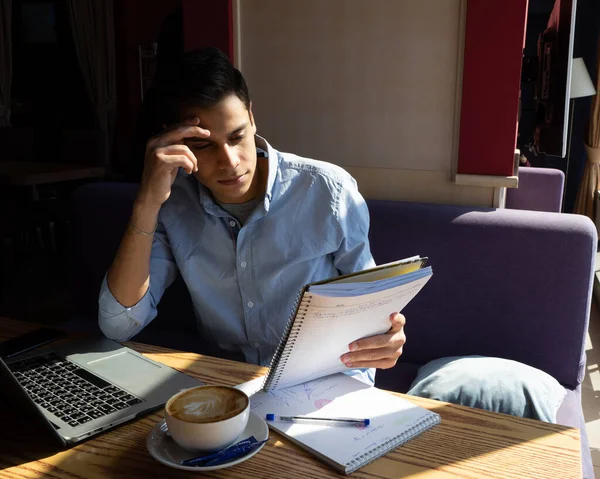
<point>469,443</point>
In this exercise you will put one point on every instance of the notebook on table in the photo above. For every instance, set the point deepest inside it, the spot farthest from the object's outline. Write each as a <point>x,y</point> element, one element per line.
<point>393,420</point>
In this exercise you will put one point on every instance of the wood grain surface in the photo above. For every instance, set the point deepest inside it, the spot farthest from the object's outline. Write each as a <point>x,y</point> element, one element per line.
<point>469,443</point>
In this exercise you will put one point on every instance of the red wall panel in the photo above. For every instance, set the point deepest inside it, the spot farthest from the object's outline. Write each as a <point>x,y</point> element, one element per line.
<point>208,23</point>
<point>495,33</point>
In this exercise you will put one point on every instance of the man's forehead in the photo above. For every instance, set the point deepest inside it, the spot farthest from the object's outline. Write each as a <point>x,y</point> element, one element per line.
<point>224,130</point>
<point>217,124</point>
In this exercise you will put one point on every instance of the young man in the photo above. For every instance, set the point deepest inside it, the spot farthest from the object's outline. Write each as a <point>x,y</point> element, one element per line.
<point>247,226</point>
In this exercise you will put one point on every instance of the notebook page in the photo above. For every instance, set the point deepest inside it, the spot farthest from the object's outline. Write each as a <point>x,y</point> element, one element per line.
<point>341,396</point>
<point>341,320</point>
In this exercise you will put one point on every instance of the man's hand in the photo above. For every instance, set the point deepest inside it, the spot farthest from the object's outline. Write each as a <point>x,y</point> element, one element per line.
<point>165,154</point>
<point>381,351</point>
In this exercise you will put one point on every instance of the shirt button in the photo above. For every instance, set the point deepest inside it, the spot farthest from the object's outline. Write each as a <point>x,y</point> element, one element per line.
<point>232,224</point>
<point>256,345</point>
<point>250,304</point>
<point>243,264</point>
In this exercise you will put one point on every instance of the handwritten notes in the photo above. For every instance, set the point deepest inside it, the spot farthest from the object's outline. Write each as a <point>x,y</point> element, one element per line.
<point>341,320</point>
<point>393,419</point>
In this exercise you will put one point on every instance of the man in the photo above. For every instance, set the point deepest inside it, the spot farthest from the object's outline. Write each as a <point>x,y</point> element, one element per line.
<point>247,226</point>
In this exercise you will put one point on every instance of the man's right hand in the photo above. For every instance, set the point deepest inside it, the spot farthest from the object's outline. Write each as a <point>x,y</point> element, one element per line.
<point>165,154</point>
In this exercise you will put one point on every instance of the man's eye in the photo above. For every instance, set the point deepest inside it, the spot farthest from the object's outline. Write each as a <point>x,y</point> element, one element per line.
<point>237,139</point>
<point>200,146</point>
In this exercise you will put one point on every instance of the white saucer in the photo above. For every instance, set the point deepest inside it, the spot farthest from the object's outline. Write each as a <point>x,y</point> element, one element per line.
<point>162,448</point>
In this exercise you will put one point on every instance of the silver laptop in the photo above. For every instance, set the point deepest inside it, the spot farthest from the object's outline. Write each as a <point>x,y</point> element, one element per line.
<point>78,390</point>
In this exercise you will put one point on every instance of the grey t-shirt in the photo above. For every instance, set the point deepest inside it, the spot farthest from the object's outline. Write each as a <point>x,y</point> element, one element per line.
<point>240,211</point>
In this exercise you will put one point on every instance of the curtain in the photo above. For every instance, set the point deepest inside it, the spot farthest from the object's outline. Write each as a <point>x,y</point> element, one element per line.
<point>590,183</point>
<point>5,60</point>
<point>92,23</point>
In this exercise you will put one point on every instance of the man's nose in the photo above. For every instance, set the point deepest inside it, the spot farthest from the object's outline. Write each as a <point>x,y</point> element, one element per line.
<point>228,158</point>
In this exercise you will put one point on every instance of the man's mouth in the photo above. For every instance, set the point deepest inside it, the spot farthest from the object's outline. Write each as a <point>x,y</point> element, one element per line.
<point>233,180</point>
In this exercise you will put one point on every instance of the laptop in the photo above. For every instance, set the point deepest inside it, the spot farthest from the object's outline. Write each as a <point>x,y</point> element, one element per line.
<point>73,392</point>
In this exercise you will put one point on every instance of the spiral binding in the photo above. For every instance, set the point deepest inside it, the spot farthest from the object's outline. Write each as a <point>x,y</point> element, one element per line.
<point>414,430</point>
<point>288,340</point>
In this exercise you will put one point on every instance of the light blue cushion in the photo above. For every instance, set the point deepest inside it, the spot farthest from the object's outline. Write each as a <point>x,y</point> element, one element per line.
<point>494,384</point>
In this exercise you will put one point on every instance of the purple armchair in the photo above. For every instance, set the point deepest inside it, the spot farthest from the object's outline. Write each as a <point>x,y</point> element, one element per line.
<point>507,283</point>
<point>540,189</point>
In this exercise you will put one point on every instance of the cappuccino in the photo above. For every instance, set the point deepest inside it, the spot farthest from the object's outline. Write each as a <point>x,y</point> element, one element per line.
<point>207,404</point>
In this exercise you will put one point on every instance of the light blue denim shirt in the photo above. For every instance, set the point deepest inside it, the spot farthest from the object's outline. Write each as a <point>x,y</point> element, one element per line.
<point>313,224</point>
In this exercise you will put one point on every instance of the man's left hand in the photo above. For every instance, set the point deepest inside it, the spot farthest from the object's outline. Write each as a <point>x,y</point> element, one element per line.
<point>380,351</point>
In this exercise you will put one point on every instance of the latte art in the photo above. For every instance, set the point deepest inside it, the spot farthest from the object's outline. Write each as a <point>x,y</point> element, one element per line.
<point>207,404</point>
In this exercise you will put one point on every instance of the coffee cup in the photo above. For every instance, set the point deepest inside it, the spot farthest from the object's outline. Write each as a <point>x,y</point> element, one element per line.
<point>207,418</point>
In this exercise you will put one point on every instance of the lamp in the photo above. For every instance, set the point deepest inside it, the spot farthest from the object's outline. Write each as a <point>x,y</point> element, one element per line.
<point>581,83</point>
<point>581,86</point>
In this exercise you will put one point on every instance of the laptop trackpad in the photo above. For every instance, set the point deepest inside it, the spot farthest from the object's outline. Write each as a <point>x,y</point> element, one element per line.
<point>122,367</point>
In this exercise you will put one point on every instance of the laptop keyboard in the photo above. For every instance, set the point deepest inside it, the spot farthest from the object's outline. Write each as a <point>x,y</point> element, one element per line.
<point>71,393</point>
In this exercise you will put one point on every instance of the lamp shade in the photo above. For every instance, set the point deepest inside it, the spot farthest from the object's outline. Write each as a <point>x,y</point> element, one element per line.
<point>581,83</point>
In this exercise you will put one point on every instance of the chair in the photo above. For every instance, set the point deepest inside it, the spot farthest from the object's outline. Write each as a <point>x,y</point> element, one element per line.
<point>540,189</point>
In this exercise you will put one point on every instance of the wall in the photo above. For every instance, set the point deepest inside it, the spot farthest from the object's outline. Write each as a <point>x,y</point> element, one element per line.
<point>208,23</point>
<point>372,86</point>
<point>493,52</point>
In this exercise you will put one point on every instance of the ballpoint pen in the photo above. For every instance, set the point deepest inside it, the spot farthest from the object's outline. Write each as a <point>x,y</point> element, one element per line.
<point>332,421</point>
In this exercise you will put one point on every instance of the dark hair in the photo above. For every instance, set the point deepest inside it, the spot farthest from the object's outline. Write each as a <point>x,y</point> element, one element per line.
<point>198,78</point>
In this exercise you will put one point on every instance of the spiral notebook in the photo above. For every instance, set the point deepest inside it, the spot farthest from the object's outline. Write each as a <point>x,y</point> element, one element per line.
<point>394,420</point>
<point>331,314</point>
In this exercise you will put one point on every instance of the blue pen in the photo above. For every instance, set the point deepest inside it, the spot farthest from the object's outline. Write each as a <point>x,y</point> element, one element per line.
<point>326,421</point>
<point>225,455</point>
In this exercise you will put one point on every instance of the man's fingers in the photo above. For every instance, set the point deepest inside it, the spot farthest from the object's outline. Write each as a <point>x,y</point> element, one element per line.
<point>373,342</point>
<point>177,161</point>
<point>191,120</point>
<point>398,321</point>
<point>379,351</point>
<point>372,355</point>
<point>178,150</point>
<point>381,340</point>
<point>178,134</point>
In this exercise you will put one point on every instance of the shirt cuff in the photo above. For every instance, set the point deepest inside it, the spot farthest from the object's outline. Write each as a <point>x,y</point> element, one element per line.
<point>118,322</point>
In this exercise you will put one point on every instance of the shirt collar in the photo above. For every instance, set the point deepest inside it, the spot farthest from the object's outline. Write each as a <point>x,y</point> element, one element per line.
<point>273,162</point>
<point>206,198</point>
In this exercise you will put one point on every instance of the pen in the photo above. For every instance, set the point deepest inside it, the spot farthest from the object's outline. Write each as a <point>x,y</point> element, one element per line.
<point>224,455</point>
<point>332,421</point>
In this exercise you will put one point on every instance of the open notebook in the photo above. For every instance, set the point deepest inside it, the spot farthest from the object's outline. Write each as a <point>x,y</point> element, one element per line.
<point>394,420</point>
<point>330,314</point>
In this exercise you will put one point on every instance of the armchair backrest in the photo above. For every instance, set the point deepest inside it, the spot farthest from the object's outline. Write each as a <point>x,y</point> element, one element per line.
<point>540,189</point>
<point>506,283</point>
